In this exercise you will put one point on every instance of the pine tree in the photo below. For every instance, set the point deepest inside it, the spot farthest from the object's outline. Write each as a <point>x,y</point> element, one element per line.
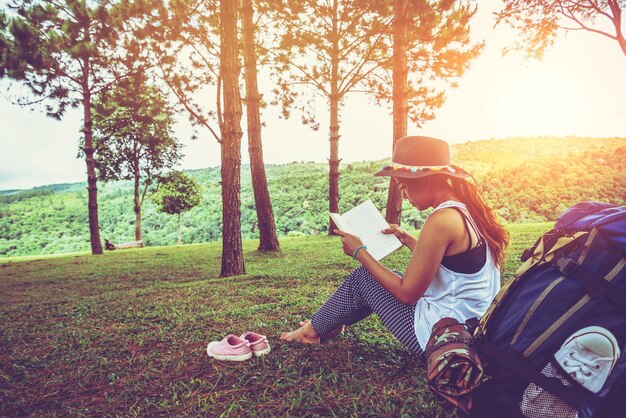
<point>65,53</point>
<point>232,252</point>
<point>133,137</point>
<point>428,49</point>
<point>268,240</point>
<point>329,49</point>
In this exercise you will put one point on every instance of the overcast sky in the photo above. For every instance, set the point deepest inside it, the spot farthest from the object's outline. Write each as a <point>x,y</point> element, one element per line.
<point>579,88</point>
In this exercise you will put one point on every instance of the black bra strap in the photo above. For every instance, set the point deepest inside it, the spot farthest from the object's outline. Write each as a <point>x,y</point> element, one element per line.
<point>468,220</point>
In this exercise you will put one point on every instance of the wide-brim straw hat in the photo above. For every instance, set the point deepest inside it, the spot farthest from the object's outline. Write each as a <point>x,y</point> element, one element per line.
<point>421,156</point>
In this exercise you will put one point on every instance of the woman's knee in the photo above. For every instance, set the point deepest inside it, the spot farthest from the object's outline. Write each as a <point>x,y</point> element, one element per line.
<point>360,274</point>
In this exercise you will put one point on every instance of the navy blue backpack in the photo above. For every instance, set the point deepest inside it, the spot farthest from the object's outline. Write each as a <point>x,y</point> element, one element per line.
<point>574,277</point>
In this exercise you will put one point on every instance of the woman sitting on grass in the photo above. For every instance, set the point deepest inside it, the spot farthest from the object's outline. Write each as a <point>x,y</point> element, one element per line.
<point>455,267</point>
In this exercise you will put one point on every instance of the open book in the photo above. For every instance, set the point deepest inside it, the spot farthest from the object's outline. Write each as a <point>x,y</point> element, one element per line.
<point>366,222</point>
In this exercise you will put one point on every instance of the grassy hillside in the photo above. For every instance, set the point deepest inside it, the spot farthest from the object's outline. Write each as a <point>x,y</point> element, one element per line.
<point>524,179</point>
<point>125,334</point>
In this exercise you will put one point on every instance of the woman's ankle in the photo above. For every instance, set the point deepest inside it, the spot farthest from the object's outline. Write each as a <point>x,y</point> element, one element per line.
<point>308,330</point>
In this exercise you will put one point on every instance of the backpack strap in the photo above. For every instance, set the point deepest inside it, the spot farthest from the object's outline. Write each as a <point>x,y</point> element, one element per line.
<point>594,285</point>
<point>615,271</point>
<point>512,361</point>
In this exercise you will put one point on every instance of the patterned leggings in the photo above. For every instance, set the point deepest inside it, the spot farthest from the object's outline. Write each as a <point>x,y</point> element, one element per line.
<point>358,297</point>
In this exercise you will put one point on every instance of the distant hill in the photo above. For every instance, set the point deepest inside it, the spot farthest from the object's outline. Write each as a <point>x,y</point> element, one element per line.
<point>524,179</point>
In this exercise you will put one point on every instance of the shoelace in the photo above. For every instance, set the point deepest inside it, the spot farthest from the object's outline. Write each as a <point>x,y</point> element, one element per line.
<point>583,365</point>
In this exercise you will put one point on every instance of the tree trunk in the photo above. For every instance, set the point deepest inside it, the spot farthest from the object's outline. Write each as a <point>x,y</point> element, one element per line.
<point>267,228</point>
<point>232,253</point>
<point>400,99</point>
<point>179,229</point>
<point>92,188</point>
<point>333,162</point>
<point>137,210</point>
<point>616,10</point>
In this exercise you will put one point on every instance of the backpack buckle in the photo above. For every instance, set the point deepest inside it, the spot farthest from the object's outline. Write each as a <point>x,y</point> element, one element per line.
<point>567,266</point>
<point>472,324</point>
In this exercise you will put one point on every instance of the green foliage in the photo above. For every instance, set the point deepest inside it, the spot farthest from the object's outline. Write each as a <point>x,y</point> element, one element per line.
<point>48,46</point>
<point>177,193</point>
<point>536,179</point>
<point>348,46</point>
<point>63,53</point>
<point>133,136</point>
<point>523,179</point>
<point>133,132</point>
<point>184,43</point>
<point>439,50</point>
<point>26,194</point>
<point>326,49</point>
<point>125,334</point>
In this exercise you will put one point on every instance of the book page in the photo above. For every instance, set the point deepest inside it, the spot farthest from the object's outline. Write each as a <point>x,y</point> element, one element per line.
<point>366,222</point>
<point>341,223</point>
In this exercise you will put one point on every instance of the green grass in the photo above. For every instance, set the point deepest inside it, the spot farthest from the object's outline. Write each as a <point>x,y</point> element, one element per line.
<point>125,334</point>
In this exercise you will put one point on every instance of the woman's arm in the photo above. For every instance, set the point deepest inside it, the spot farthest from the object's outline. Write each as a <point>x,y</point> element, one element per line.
<point>411,242</point>
<point>435,237</point>
<point>405,238</point>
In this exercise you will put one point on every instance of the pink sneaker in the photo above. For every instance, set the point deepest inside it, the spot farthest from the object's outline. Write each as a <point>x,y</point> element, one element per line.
<point>231,348</point>
<point>258,343</point>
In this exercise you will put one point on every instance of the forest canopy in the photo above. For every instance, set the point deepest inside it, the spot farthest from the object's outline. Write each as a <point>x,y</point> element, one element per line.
<point>523,179</point>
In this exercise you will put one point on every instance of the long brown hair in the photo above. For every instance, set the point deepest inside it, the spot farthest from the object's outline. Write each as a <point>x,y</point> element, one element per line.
<point>495,234</point>
<point>486,220</point>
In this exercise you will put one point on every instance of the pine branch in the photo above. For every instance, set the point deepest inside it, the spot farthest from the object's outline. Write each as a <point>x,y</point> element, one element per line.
<point>571,16</point>
<point>184,101</point>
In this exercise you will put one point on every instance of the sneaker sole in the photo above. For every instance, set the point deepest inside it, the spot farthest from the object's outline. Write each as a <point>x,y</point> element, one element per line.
<point>226,357</point>
<point>262,352</point>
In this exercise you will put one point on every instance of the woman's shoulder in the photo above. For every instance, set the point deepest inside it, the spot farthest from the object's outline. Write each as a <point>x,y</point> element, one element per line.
<point>450,204</point>
<point>447,221</point>
<point>448,210</point>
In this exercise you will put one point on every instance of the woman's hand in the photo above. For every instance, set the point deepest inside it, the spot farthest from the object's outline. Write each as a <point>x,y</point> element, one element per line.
<point>404,237</point>
<point>350,242</point>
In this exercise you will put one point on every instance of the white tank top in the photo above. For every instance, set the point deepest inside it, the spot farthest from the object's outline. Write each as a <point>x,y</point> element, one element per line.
<point>456,295</point>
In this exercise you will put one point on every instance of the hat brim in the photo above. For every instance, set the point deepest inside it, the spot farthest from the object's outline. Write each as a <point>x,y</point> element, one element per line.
<point>385,172</point>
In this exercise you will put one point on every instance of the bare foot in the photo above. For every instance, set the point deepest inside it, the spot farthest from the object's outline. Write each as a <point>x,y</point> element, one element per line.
<point>337,331</point>
<point>305,334</point>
